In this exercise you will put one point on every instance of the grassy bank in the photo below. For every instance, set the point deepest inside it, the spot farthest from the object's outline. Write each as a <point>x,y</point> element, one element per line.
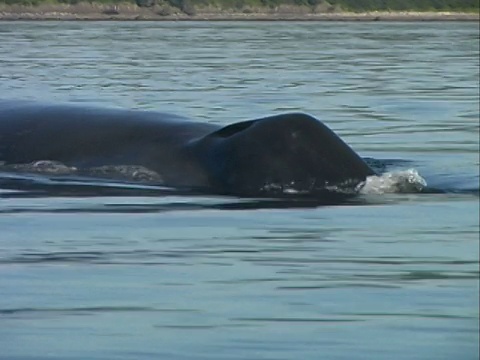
<point>240,9</point>
<point>319,5</point>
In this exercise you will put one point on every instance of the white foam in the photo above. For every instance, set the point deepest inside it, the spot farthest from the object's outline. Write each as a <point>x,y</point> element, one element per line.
<point>46,167</point>
<point>129,172</point>
<point>122,172</point>
<point>401,181</point>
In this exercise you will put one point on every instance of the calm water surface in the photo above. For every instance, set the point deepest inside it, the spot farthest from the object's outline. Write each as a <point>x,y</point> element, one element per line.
<point>183,277</point>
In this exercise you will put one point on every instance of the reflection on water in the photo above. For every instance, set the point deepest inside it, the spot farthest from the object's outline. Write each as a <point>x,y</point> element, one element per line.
<point>113,270</point>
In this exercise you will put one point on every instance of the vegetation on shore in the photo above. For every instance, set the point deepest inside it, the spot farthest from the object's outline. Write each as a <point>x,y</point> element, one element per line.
<point>190,7</point>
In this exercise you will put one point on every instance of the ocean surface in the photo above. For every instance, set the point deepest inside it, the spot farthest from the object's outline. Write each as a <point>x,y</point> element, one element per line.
<point>120,271</point>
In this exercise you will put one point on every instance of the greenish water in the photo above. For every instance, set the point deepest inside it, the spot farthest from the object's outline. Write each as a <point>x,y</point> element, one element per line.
<point>182,277</point>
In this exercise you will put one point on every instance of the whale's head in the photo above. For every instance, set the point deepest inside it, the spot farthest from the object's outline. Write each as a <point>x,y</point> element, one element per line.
<point>289,153</point>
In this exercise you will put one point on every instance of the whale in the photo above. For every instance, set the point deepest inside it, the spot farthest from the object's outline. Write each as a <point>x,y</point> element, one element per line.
<point>277,155</point>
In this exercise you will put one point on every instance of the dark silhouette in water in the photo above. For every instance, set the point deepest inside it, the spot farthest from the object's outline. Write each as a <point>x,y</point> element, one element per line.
<point>271,156</point>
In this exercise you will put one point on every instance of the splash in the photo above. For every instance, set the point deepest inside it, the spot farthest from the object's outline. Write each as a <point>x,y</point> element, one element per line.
<point>393,182</point>
<point>401,181</point>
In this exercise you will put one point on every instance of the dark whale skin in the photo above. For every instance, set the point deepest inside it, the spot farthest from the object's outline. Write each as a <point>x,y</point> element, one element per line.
<point>260,157</point>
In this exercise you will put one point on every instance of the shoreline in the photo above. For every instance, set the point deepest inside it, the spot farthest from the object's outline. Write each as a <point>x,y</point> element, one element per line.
<point>127,12</point>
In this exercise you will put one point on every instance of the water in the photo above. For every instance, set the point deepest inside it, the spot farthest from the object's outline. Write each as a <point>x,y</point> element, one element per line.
<point>116,271</point>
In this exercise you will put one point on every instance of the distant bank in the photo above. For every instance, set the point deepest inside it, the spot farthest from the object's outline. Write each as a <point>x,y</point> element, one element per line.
<point>130,11</point>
